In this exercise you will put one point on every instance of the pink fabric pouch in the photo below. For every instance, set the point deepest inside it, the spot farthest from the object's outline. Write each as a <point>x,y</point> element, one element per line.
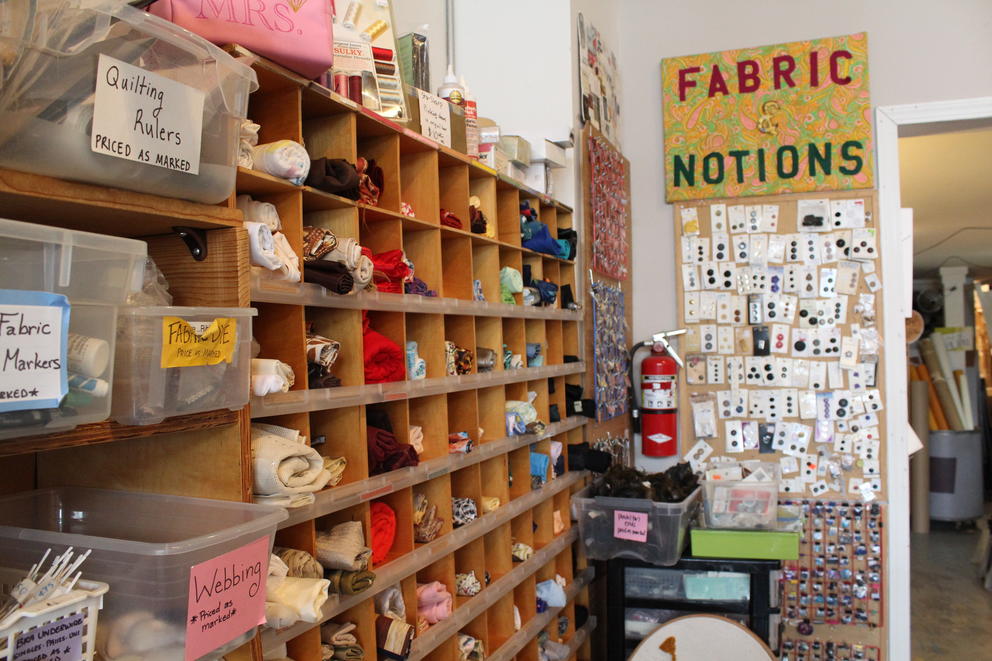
<point>297,34</point>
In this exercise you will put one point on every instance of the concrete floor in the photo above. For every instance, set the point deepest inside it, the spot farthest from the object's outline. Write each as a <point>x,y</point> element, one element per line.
<point>951,612</point>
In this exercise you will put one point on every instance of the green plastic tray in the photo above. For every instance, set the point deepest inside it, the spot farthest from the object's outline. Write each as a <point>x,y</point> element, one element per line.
<point>745,544</point>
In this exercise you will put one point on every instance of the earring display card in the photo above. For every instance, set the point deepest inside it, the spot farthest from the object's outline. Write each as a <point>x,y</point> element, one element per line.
<point>609,351</point>
<point>608,185</point>
<point>791,263</point>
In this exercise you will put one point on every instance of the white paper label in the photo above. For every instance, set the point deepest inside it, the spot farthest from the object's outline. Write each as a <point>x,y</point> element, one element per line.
<point>145,117</point>
<point>34,329</point>
<point>435,118</point>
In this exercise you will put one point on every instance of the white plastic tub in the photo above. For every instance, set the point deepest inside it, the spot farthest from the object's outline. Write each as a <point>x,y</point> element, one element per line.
<point>47,95</point>
<point>146,393</point>
<point>94,272</point>
<point>143,547</point>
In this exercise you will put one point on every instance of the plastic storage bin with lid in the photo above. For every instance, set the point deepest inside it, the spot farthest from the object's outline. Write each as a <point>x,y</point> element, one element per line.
<point>145,546</point>
<point>742,495</point>
<point>91,274</point>
<point>179,360</point>
<point>666,526</point>
<point>51,97</point>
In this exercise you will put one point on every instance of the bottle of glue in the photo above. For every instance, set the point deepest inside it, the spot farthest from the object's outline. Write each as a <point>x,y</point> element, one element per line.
<point>450,89</point>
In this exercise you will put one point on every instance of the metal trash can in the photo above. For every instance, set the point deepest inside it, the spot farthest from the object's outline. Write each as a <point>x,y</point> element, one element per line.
<point>956,475</point>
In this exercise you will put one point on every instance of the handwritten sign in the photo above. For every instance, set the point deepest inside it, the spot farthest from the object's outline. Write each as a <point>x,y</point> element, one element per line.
<point>435,118</point>
<point>632,526</point>
<point>226,597</point>
<point>59,640</point>
<point>145,117</point>
<point>34,332</point>
<point>192,343</point>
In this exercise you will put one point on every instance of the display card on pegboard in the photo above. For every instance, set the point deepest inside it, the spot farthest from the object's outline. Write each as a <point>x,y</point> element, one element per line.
<point>609,207</point>
<point>610,351</point>
<point>781,300</point>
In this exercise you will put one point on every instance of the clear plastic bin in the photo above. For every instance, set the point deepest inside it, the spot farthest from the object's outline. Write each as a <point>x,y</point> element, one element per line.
<point>741,504</point>
<point>686,585</point>
<point>47,95</point>
<point>146,393</point>
<point>143,546</point>
<point>667,526</point>
<point>94,272</point>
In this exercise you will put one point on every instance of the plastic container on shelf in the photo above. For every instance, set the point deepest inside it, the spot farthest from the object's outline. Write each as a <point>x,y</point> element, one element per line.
<point>143,546</point>
<point>667,525</point>
<point>211,370</point>
<point>78,609</point>
<point>94,272</point>
<point>744,504</point>
<point>48,99</point>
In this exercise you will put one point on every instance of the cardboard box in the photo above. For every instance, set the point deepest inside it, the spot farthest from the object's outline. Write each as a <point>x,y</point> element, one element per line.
<point>491,155</point>
<point>538,177</point>
<point>458,142</point>
<point>545,151</point>
<point>517,149</point>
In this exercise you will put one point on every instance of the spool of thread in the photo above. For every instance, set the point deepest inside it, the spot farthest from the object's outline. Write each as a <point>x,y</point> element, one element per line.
<point>355,89</point>
<point>385,68</point>
<point>382,54</point>
<point>351,14</point>
<point>375,30</point>
<point>95,387</point>
<point>341,83</point>
<point>388,83</point>
<point>88,356</point>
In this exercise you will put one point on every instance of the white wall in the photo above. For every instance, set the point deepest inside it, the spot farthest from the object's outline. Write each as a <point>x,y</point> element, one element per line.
<point>919,50</point>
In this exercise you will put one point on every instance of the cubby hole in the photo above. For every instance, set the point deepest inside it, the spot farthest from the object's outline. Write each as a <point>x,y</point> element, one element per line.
<point>438,492</point>
<point>298,421</point>
<point>343,431</point>
<point>541,401</point>
<point>471,558</point>
<point>289,206</point>
<point>301,536</point>
<point>537,341</point>
<point>385,151</point>
<point>454,188</point>
<point>492,413</point>
<point>483,186</point>
<point>499,543</point>
<point>419,181</point>
<point>555,343</point>
<point>423,248</point>
<point>543,447</point>
<point>508,213</point>
<point>358,512</point>
<point>390,325</point>
<point>344,326</point>
<point>442,571</point>
<point>479,629</point>
<point>519,467</point>
<point>466,483</point>
<point>552,273</point>
<point>401,502</point>
<point>485,269</point>
<point>570,340</point>
<point>460,329</point>
<point>489,335</point>
<point>431,414</point>
<point>561,516</point>
<point>499,619</point>
<point>362,615</point>
<point>556,399</point>
<point>543,524</point>
<point>305,647</point>
<point>457,267</point>
<point>525,598</point>
<point>331,136</point>
<point>408,586</point>
<point>281,334</point>
<point>446,651</point>
<point>380,234</point>
<point>533,264</point>
<point>549,216</point>
<point>385,418</point>
<point>463,413</point>
<point>343,222</point>
<point>563,565</point>
<point>515,338</point>
<point>563,219</point>
<point>566,277</point>
<point>511,257</point>
<point>427,330</point>
<point>495,480</point>
<point>276,109</point>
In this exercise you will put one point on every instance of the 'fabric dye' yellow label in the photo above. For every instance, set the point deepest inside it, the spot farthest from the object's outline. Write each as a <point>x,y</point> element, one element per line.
<point>193,343</point>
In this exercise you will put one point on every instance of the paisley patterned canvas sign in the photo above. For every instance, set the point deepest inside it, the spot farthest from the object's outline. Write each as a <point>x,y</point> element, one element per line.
<point>789,118</point>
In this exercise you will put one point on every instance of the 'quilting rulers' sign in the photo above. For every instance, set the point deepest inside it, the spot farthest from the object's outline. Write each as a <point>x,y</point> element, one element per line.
<point>789,118</point>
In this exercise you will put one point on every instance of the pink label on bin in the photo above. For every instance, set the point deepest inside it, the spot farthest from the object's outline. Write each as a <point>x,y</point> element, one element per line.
<point>630,525</point>
<point>226,597</point>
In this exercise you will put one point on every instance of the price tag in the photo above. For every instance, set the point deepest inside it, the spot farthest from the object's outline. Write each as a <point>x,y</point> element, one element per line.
<point>60,640</point>
<point>632,526</point>
<point>190,343</point>
<point>226,597</point>
<point>435,118</point>
<point>145,117</point>
<point>34,333</point>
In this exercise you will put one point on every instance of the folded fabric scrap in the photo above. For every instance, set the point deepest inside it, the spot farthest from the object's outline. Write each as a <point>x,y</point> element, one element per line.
<point>343,547</point>
<point>470,648</point>
<point>364,271</point>
<point>347,252</point>
<point>557,522</point>
<point>551,650</point>
<point>525,410</point>
<point>477,293</point>
<point>270,376</point>
<point>463,510</point>
<point>535,354</point>
<point>332,276</point>
<point>467,585</point>
<point>542,605</point>
<point>305,596</point>
<point>418,287</point>
<point>393,638</point>
<point>259,212</point>
<point>450,353</point>
<point>557,460</point>
<point>390,603</point>
<point>485,359</point>
<point>416,437</point>
<point>371,181</point>
<point>336,467</point>
<point>449,219</point>
<point>416,367</point>
<point>514,424</point>
<point>284,158</point>
<point>562,624</point>
<point>433,602</point>
<point>511,282</point>
<point>317,242</point>
<point>521,551</point>
<point>348,653</point>
<point>321,350</point>
<point>335,176</point>
<point>318,377</point>
<point>338,633</point>
<point>459,443</point>
<point>427,524</point>
<point>464,360</point>
<point>247,139</point>
<point>386,453</point>
<point>477,219</point>
<point>407,210</point>
<point>390,271</point>
<point>537,427</point>
<point>552,593</point>
<point>490,504</point>
<point>349,582</point>
<point>539,466</point>
<point>271,250</point>
<point>299,563</point>
<point>517,623</point>
<point>383,531</point>
<point>384,360</point>
<point>283,465</point>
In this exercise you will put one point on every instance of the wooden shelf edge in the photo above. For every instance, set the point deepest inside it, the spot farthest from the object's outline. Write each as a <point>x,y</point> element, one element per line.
<point>410,563</point>
<point>92,208</point>
<point>111,432</point>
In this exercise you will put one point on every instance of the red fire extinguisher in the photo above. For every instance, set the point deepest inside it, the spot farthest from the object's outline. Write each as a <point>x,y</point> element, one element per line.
<point>658,413</point>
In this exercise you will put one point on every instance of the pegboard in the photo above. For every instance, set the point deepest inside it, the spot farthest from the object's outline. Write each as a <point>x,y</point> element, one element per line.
<point>796,277</point>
